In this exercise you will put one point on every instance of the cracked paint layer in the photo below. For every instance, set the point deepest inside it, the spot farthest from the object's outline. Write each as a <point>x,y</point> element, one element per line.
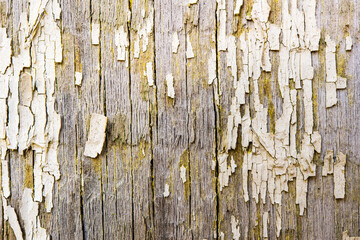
<point>96,136</point>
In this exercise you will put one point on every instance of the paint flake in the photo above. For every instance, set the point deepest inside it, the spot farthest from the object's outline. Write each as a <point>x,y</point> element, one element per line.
<point>78,78</point>
<point>273,37</point>
<point>166,191</point>
<point>150,73</point>
<point>341,83</point>
<point>183,173</point>
<point>316,141</point>
<point>348,43</point>
<point>330,90</point>
<point>95,33</point>
<point>121,42</point>
<point>265,224</point>
<point>5,50</point>
<point>238,6</point>
<point>339,176</point>
<point>5,178</point>
<point>96,137</point>
<point>170,85</point>
<point>11,216</point>
<point>235,228</point>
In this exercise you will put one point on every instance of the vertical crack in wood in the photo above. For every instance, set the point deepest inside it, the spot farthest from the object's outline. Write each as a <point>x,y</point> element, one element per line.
<point>216,91</point>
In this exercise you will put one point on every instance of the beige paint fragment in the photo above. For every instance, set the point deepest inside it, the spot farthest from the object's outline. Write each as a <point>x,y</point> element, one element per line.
<point>330,60</point>
<point>96,136</point>
<point>301,191</point>
<point>78,78</point>
<point>225,171</point>
<point>265,225</point>
<point>95,33</point>
<point>121,42</point>
<point>189,48</point>
<point>11,216</point>
<point>278,220</point>
<point>339,176</point>
<point>328,167</point>
<point>348,43</point>
<point>341,83</point>
<point>235,228</point>
<point>38,183</point>
<point>307,71</point>
<point>170,85</point>
<point>166,191</point>
<point>312,32</point>
<point>316,141</point>
<point>48,182</point>
<point>193,1</point>
<point>149,73</point>
<point>330,90</point>
<point>175,42</point>
<point>231,56</point>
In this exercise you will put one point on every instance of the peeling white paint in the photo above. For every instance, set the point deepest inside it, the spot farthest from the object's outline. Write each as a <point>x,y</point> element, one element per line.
<point>193,1</point>
<point>170,85</point>
<point>183,173</point>
<point>78,78</point>
<point>348,43</point>
<point>5,50</point>
<point>330,90</point>
<point>175,42</point>
<point>235,228</point>
<point>341,83</point>
<point>121,42</point>
<point>166,191</point>
<point>339,176</point>
<point>265,224</point>
<point>189,48</point>
<point>96,136</point>
<point>95,33</point>
<point>316,141</point>
<point>149,73</point>
<point>11,216</point>
<point>273,37</point>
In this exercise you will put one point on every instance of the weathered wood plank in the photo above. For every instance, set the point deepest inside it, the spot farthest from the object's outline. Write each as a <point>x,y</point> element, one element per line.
<point>117,171</point>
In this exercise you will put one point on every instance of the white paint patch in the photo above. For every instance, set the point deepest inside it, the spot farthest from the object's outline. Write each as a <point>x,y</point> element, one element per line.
<point>273,37</point>
<point>222,42</point>
<point>341,83</point>
<point>5,50</point>
<point>307,71</point>
<point>166,191</point>
<point>95,33</point>
<point>170,85</point>
<point>348,43</point>
<point>193,1</point>
<point>150,73</point>
<point>175,42</point>
<point>339,176</point>
<point>183,173</point>
<point>235,228</point>
<point>78,78</point>
<point>265,224</point>
<point>189,48</point>
<point>10,215</point>
<point>212,67</point>
<point>121,42</point>
<point>5,178</point>
<point>137,47</point>
<point>330,90</point>
<point>96,137</point>
<point>316,141</point>
<point>238,6</point>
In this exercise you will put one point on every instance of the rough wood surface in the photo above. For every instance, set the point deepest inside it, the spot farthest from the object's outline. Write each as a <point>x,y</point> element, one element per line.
<point>168,168</point>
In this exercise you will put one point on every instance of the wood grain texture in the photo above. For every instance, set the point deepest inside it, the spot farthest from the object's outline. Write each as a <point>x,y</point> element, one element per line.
<point>153,140</point>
